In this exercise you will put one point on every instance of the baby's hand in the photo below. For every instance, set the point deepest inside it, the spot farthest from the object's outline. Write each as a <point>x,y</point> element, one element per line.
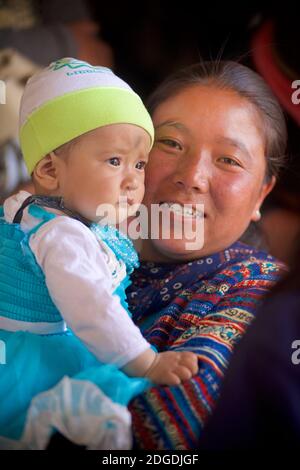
<point>171,367</point>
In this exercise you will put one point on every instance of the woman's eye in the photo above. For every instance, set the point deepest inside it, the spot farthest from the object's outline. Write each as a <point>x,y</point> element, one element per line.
<point>229,161</point>
<point>140,165</point>
<point>170,143</point>
<point>115,161</point>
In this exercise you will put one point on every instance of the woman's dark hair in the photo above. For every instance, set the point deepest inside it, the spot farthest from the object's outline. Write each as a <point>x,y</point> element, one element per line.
<point>246,83</point>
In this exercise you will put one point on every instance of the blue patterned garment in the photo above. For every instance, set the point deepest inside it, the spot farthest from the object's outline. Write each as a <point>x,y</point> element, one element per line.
<point>202,306</point>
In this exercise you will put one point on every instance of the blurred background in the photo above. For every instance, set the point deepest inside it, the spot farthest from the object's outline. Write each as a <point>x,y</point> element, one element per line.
<point>143,42</point>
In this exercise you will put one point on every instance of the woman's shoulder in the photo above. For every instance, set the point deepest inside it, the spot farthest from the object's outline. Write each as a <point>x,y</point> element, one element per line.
<point>251,263</point>
<point>240,252</point>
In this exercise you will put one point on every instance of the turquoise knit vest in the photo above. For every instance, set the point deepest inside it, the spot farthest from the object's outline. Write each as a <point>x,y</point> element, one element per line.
<point>23,292</point>
<point>24,295</point>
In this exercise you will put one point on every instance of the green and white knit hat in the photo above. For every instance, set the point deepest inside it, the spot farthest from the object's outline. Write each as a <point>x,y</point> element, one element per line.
<point>70,98</point>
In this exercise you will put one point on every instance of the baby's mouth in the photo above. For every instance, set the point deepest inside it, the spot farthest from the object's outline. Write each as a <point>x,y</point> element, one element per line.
<point>125,201</point>
<point>128,206</point>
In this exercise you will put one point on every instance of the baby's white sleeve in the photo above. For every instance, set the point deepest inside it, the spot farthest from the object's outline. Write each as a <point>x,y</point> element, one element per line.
<point>79,283</point>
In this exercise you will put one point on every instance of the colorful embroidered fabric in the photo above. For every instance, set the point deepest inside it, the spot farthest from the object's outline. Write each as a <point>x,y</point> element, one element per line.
<point>203,306</point>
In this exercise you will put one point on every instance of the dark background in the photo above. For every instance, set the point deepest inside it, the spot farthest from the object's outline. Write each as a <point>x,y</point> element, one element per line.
<point>150,39</point>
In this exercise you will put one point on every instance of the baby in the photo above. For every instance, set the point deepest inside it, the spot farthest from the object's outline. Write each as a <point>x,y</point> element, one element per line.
<point>85,136</point>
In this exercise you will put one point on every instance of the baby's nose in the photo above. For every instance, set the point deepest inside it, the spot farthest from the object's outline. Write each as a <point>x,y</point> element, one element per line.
<point>130,182</point>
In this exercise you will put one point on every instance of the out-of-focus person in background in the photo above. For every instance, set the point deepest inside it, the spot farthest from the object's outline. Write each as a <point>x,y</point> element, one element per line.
<point>32,34</point>
<point>275,57</point>
<point>43,31</point>
<point>14,71</point>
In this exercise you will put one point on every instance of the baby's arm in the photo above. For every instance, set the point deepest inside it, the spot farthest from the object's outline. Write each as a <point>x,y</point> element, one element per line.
<point>79,283</point>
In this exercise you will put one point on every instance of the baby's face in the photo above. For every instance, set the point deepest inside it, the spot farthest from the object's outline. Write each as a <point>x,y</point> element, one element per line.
<point>104,172</point>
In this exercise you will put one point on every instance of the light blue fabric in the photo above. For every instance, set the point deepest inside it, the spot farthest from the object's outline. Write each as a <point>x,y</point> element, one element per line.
<point>23,292</point>
<point>36,363</point>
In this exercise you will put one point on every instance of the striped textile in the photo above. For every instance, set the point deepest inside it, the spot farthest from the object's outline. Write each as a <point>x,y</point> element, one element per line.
<point>203,306</point>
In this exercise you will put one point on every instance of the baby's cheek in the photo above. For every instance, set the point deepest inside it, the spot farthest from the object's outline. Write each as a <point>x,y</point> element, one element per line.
<point>141,194</point>
<point>139,191</point>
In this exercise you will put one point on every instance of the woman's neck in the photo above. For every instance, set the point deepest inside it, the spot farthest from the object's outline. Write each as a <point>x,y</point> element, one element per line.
<point>148,252</point>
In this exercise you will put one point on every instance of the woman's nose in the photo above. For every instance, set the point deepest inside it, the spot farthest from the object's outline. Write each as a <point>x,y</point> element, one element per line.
<point>192,175</point>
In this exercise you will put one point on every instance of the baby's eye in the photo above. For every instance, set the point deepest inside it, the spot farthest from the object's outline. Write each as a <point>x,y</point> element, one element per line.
<point>229,161</point>
<point>115,161</point>
<point>170,143</point>
<point>140,165</point>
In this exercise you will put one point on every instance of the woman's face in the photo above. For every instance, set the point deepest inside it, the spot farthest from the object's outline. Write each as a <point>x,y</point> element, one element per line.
<point>209,149</point>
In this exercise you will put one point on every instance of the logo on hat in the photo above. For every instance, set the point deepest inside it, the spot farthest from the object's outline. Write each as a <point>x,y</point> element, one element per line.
<point>75,64</point>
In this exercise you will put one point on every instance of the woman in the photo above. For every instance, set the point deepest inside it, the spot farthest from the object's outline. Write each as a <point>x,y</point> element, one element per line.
<point>220,141</point>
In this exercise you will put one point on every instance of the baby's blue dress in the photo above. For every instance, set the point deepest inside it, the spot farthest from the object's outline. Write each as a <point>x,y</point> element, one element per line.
<point>73,392</point>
